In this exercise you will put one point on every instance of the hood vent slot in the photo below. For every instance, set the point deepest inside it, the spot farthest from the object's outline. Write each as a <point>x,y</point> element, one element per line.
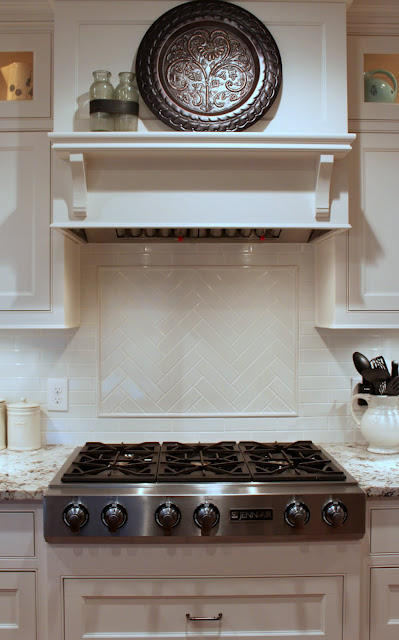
<point>199,234</point>
<point>129,235</point>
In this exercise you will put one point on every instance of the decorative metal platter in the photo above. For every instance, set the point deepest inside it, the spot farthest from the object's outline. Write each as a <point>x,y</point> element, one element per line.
<point>208,65</point>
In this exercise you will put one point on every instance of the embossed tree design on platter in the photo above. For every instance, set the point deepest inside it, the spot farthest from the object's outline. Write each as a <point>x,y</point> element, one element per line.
<point>209,71</point>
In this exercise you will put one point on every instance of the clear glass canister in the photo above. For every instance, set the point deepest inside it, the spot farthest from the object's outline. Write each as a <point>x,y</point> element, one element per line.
<point>23,426</point>
<point>101,89</point>
<point>127,91</point>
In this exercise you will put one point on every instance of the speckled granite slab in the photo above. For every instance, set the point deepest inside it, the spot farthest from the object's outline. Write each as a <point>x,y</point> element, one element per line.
<point>377,474</point>
<point>25,475</point>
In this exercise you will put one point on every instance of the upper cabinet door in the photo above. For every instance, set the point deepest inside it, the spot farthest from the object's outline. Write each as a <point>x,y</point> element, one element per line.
<point>24,221</point>
<point>369,97</point>
<point>373,239</point>
<point>25,78</point>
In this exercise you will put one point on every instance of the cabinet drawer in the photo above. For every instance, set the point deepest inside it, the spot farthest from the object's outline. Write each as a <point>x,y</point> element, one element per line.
<point>17,534</point>
<point>384,604</point>
<point>280,607</point>
<point>384,531</point>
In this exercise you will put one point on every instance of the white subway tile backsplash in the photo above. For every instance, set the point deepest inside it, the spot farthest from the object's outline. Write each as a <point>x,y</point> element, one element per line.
<point>313,395</point>
<point>17,356</point>
<point>40,342</point>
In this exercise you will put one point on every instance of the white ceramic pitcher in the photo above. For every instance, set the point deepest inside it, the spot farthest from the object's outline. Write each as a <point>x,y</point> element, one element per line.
<point>379,423</point>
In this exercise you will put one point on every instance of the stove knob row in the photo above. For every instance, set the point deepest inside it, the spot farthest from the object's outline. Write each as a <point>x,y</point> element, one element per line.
<point>114,516</point>
<point>167,516</point>
<point>206,516</point>
<point>75,516</point>
<point>297,515</point>
<point>335,513</point>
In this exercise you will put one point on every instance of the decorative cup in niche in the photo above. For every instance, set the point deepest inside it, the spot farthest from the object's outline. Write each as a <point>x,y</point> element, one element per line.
<point>19,80</point>
<point>378,89</point>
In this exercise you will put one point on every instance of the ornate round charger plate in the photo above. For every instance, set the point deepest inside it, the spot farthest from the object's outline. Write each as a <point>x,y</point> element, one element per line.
<point>208,65</point>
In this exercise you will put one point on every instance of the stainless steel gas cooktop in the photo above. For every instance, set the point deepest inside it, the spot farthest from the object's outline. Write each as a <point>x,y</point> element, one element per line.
<point>270,491</point>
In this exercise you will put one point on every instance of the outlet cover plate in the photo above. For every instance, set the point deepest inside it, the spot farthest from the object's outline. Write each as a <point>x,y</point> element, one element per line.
<point>57,394</point>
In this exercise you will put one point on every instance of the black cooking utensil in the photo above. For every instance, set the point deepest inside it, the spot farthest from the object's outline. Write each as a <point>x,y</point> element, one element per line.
<point>375,376</point>
<point>393,386</point>
<point>378,379</point>
<point>394,368</point>
<point>361,363</point>
<point>378,363</point>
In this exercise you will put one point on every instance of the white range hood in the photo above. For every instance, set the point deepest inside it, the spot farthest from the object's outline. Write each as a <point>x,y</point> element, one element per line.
<point>284,179</point>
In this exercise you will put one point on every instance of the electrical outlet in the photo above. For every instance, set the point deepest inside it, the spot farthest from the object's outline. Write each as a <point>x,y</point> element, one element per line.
<point>57,394</point>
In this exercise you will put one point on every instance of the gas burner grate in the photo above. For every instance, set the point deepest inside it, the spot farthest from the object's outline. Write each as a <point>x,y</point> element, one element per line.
<point>202,462</point>
<point>300,460</point>
<point>98,462</point>
<point>221,462</point>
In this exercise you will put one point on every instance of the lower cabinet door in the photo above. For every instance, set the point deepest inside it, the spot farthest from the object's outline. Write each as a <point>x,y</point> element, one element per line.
<point>277,608</point>
<point>384,604</point>
<point>17,605</point>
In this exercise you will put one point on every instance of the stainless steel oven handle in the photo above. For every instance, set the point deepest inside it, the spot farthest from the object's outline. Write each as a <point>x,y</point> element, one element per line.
<point>196,618</point>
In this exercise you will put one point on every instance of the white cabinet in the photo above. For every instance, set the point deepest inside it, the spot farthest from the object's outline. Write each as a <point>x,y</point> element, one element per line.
<point>383,570</point>
<point>25,220</point>
<point>373,245</point>
<point>384,603</point>
<point>356,283</point>
<point>21,578</point>
<point>38,272</point>
<point>272,607</point>
<point>18,605</point>
<point>25,75</point>
<point>39,269</point>
<point>356,272</point>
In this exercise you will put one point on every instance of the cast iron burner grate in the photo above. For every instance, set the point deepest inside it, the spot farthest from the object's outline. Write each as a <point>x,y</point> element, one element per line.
<point>300,460</point>
<point>97,462</point>
<point>221,462</point>
<point>209,462</point>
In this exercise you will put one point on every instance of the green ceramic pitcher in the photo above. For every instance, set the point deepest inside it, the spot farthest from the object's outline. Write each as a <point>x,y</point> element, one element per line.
<point>377,89</point>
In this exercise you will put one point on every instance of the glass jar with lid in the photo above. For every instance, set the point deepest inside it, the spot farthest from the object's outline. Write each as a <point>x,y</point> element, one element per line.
<point>127,93</point>
<point>100,90</point>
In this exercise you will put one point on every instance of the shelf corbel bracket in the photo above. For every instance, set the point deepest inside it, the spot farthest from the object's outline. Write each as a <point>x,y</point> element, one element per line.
<point>323,183</point>
<point>79,184</point>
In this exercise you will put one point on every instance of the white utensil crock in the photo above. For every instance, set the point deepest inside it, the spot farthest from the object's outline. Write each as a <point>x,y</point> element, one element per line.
<point>379,423</point>
<point>2,424</point>
<point>23,426</point>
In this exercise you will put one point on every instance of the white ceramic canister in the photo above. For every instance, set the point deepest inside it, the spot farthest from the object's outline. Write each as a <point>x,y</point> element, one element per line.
<point>2,424</point>
<point>23,426</point>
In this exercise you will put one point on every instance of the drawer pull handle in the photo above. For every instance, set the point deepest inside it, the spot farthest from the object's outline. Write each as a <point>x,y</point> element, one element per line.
<point>196,618</point>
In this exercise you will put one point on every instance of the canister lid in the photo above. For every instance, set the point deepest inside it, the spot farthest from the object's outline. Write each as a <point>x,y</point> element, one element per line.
<point>23,404</point>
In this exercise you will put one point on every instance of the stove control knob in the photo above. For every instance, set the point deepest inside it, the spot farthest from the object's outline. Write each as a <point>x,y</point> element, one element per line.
<point>297,515</point>
<point>206,516</point>
<point>335,513</point>
<point>75,516</point>
<point>114,516</point>
<point>167,516</point>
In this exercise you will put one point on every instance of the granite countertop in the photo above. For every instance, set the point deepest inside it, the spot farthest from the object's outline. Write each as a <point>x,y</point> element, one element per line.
<point>25,475</point>
<point>377,474</point>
